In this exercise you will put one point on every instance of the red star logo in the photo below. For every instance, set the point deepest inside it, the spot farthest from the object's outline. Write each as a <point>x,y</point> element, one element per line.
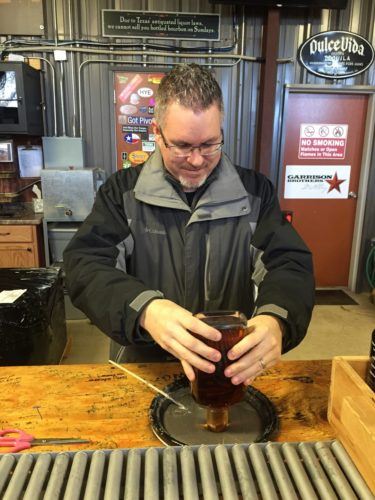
<point>334,183</point>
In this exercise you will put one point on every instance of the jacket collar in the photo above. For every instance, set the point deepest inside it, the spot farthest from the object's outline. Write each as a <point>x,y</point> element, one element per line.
<point>153,188</point>
<point>224,197</point>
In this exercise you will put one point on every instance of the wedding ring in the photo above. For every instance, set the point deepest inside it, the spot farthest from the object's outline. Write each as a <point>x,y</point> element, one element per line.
<point>261,363</point>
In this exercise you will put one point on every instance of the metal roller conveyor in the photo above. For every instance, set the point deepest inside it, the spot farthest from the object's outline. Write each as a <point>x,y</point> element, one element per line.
<point>264,471</point>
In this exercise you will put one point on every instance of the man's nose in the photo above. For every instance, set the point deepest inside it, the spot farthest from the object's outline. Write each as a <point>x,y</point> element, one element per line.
<point>195,158</point>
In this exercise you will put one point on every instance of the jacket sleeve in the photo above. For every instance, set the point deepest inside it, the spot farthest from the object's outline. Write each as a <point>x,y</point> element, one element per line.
<point>283,270</point>
<point>95,267</point>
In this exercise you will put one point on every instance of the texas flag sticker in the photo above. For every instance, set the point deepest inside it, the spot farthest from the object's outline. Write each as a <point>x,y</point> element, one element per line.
<point>131,138</point>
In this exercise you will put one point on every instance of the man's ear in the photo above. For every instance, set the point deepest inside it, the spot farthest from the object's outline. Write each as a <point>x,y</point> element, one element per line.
<point>155,127</point>
<point>156,132</point>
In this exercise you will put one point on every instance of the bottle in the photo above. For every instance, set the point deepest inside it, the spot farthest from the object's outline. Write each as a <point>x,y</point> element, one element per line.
<point>215,391</point>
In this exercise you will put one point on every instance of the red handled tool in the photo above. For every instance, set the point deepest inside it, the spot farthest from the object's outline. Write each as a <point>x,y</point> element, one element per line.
<point>17,440</point>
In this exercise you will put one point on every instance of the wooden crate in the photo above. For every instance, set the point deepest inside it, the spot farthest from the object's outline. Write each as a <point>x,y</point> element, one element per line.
<point>351,412</point>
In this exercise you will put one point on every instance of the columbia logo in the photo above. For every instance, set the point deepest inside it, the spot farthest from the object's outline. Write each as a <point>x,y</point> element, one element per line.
<point>155,231</point>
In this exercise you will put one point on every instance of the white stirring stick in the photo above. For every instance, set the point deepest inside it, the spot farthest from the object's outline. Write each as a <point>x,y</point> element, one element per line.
<point>180,405</point>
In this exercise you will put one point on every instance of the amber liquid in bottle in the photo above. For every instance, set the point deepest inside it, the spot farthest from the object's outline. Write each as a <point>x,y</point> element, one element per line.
<point>215,390</point>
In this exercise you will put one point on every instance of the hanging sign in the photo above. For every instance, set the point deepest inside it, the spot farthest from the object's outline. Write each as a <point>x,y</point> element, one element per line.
<point>177,25</point>
<point>317,181</point>
<point>322,141</point>
<point>336,54</point>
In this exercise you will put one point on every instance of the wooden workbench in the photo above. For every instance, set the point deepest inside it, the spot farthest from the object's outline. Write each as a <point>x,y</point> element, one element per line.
<point>110,408</point>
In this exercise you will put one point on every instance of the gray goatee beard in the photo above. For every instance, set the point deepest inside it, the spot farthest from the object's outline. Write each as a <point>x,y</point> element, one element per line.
<point>191,185</point>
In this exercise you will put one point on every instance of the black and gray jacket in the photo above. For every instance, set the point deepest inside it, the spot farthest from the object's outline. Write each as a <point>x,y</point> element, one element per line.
<point>229,250</point>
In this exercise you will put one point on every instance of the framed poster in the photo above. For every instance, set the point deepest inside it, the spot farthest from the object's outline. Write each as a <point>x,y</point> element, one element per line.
<point>6,151</point>
<point>30,160</point>
<point>134,111</point>
<point>160,24</point>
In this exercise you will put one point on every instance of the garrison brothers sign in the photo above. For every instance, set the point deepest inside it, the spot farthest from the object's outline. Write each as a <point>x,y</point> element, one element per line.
<point>336,54</point>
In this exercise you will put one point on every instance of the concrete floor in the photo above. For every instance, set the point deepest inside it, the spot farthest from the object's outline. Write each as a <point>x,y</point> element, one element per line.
<point>334,331</point>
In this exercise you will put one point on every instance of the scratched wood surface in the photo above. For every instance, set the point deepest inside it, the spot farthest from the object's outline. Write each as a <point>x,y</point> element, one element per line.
<point>110,408</point>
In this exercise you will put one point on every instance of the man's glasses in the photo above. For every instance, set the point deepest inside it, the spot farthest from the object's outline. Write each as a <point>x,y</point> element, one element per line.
<point>185,151</point>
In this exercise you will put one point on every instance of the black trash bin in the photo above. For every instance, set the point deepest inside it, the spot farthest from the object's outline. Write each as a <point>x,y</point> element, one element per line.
<point>33,327</point>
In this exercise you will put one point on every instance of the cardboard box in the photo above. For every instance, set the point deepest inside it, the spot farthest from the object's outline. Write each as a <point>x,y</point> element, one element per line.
<point>351,412</point>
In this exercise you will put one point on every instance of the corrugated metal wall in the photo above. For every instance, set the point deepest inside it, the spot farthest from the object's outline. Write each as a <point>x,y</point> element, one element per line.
<point>92,72</point>
<point>83,85</point>
<point>84,104</point>
<point>84,107</point>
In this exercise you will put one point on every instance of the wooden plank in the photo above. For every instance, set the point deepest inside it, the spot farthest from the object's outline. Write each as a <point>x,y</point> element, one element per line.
<point>351,412</point>
<point>105,405</point>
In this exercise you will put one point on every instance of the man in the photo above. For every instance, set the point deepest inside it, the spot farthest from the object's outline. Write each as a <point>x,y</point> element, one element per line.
<point>185,232</point>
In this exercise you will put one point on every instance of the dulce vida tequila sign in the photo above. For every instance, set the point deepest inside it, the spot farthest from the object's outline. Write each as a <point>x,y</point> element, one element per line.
<point>336,54</point>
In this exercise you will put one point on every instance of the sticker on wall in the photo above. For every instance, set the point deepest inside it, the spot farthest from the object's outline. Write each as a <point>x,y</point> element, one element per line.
<point>325,141</point>
<point>131,138</point>
<point>145,92</point>
<point>128,109</point>
<point>139,120</point>
<point>130,88</point>
<point>155,79</point>
<point>138,157</point>
<point>317,181</point>
<point>135,130</point>
<point>148,146</point>
<point>134,99</point>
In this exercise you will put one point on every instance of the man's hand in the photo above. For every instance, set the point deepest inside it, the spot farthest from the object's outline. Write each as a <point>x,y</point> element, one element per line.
<point>169,325</point>
<point>261,348</point>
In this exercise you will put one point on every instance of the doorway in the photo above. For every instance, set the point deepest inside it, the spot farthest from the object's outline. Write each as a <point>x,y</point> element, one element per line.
<point>323,174</point>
